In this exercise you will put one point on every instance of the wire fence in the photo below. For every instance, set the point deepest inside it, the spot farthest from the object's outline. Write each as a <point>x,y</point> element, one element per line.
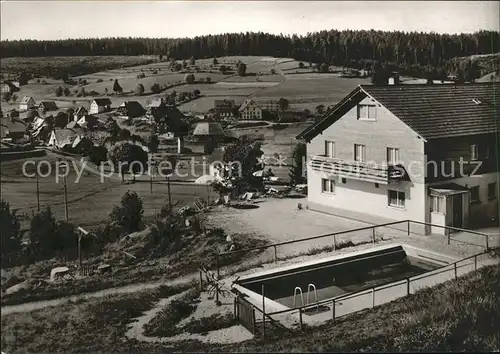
<point>384,293</point>
<point>336,241</point>
<point>365,298</point>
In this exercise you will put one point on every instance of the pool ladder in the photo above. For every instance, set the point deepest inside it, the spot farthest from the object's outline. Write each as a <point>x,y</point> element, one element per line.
<point>299,290</point>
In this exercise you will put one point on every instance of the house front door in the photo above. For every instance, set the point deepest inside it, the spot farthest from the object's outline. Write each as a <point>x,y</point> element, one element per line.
<point>457,211</point>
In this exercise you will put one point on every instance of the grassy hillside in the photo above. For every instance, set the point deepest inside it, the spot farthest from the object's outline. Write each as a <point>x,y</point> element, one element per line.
<point>460,315</point>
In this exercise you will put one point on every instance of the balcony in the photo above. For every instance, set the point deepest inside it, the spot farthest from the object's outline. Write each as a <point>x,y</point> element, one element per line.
<point>368,172</point>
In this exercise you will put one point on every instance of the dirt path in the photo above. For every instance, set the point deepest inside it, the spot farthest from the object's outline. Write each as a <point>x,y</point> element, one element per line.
<point>226,335</point>
<point>35,305</point>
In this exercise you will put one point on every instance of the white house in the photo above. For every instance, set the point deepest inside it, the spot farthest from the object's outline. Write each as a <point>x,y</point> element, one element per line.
<point>250,110</point>
<point>421,152</point>
<point>27,103</point>
<point>61,138</point>
<point>79,113</point>
<point>100,105</point>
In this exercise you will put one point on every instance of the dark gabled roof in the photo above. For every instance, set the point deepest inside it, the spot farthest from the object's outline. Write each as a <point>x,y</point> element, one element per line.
<point>103,101</point>
<point>440,111</point>
<point>48,105</point>
<point>432,111</point>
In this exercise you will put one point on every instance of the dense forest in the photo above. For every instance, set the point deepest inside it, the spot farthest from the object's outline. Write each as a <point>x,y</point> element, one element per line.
<point>410,52</point>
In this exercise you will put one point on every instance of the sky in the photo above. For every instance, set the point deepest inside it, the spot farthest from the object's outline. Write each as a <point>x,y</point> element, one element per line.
<point>59,19</point>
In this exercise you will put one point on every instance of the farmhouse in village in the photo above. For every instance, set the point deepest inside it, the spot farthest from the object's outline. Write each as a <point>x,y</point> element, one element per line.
<point>394,152</point>
<point>64,138</point>
<point>250,110</point>
<point>9,87</point>
<point>156,108</point>
<point>88,121</point>
<point>100,105</point>
<point>131,109</point>
<point>79,113</point>
<point>47,106</point>
<point>27,103</point>
<point>224,108</point>
<point>12,129</point>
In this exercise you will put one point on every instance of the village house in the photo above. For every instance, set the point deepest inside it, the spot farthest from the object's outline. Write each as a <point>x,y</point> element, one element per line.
<point>26,103</point>
<point>13,130</point>
<point>9,87</point>
<point>47,106</point>
<point>291,116</point>
<point>224,108</point>
<point>156,108</point>
<point>79,113</point>
<point>205,131</point>
<point>100,105</point>
<point>88,121</point>
<point>250,110</point>
<point>63,138</point>
<point>130,109</point>
<point>394,152</point>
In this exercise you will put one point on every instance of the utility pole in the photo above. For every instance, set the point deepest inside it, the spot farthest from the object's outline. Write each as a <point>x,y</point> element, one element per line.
<point>65,200</point>
<point>37,192</point>
<point>169,195</point>
<point>151,182</point>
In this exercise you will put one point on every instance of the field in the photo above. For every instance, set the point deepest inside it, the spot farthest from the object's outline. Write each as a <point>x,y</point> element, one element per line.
<point>89,200</point>
<point>302,87</point>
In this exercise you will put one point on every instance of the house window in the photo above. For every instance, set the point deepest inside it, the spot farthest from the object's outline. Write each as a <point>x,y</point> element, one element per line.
<point>329,148</point>
<point>392,156</point>
<point>474,152</point>
<point>492,191</point>
<point>377,185</point>
<point>397,198</point>
<point>328,186</point>
<point>437,204</point>
<point>474,194</point>
<point>367,112</point>
<point>344,180</point>
<point>359,152</point>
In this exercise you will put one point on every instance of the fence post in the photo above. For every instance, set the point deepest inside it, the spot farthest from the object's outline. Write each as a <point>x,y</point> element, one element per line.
<point>333,310</point>
<point>263,314</point>
<point>217,263</point>
<point>475,262</point>
<point>217,294</point>
<point>253,320</point>
<point>334,242</point>
<point>235,311</point>
<point>408,227</point>
<point>455,266</point>
<point>201,280</point>
<point>275,255</point>
<point>407,286</point>
<point>448,234</point>
<point>487,245</point>
<point>300,317</point>
<point>373,297</point>
<point>373,234</point>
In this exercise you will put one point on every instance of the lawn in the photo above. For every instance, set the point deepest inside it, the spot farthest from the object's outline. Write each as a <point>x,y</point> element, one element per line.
<point>311,89</point>
<point>89,200</point>
<point>459,315</point>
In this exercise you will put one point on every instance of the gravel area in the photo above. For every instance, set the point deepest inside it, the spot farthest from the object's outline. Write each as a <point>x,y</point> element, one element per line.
<point>280,220</point>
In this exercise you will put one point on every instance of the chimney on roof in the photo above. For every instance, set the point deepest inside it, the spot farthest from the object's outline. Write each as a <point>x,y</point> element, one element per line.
<point>394,78</point>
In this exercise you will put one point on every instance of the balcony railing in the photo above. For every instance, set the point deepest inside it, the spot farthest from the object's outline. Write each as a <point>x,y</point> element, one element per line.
<point>369,172</point>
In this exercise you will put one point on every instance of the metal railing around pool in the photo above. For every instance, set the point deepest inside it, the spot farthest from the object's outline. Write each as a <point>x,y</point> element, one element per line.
<point>369,235</point>
<point>366,298</point>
